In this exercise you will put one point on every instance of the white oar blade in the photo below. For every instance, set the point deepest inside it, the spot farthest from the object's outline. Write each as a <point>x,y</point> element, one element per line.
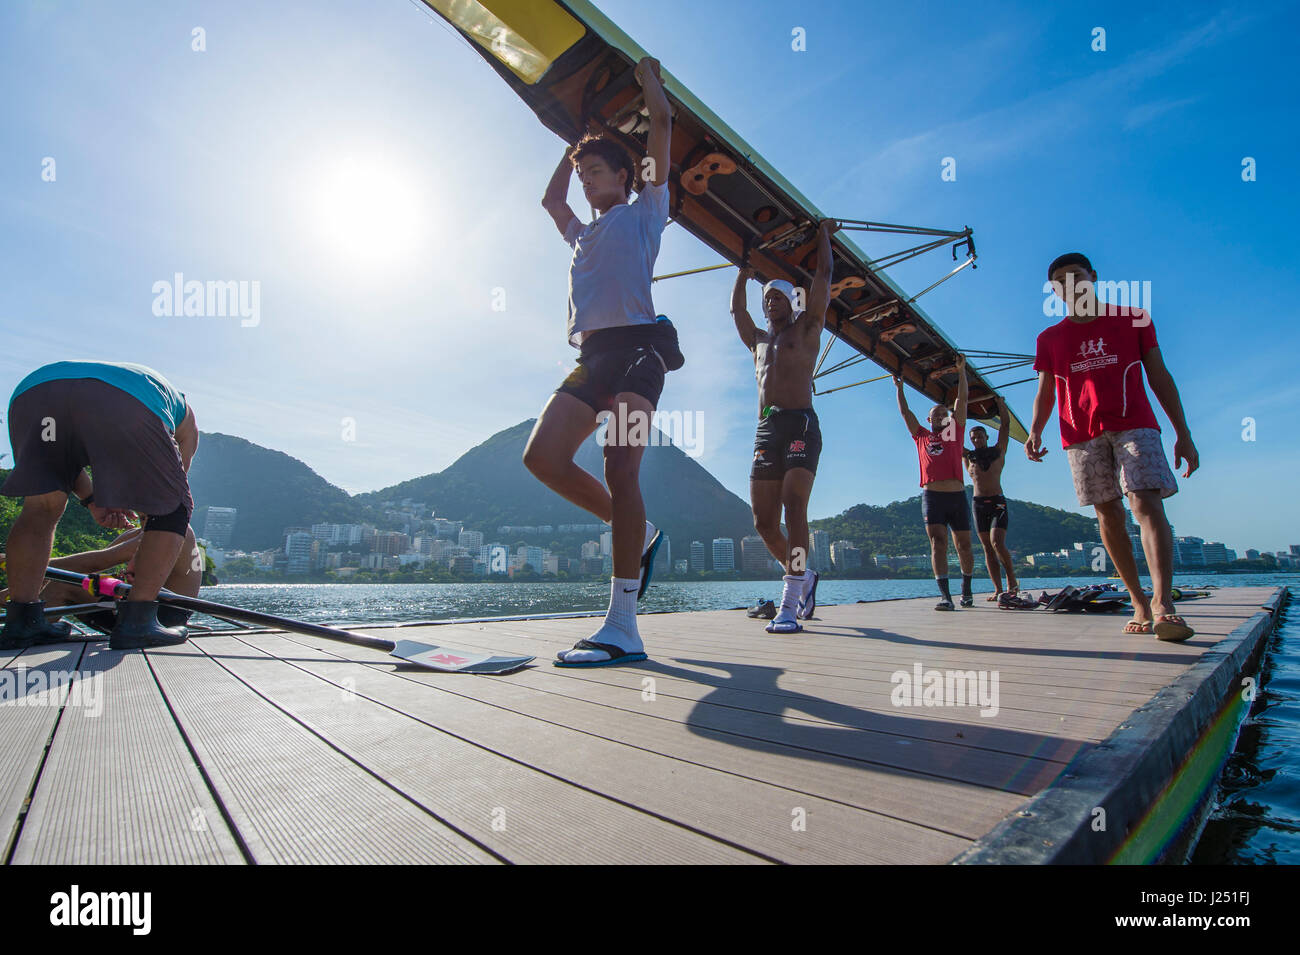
<point>451,660</point>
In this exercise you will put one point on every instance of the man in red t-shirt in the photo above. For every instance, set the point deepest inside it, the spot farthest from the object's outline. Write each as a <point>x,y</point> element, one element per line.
<point>943,486</point>
<point>1092,363</point>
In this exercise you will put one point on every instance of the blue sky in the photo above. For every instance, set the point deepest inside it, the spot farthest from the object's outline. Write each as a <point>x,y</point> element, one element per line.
<point>379,182</point>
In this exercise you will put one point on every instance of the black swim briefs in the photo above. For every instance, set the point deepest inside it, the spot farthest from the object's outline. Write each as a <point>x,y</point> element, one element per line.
<point>627,358</point>
<point>946,507</point>
<point>990,512</point>
<point>786,438</point>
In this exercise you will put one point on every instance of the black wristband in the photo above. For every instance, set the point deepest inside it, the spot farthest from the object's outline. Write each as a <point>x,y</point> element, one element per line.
<point>88,499</point>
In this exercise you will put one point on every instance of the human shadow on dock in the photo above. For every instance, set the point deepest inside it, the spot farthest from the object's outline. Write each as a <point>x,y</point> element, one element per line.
<point>972,752</point>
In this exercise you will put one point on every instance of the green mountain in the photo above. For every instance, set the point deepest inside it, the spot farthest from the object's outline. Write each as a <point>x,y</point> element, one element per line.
<point>897,529</point>
<point>488,486</point>
<point>271,490</point>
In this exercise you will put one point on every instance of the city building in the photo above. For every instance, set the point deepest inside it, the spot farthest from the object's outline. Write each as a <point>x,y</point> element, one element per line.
<point>697,556</point>
<point>844,556</point>
<point>754,558</point>
<point>820,544</point>
<point>471,540</point>
<point>298,550</point>
<point>1189,552</point>
<point>1214,552</point>
<point>724,553</point>
<point>391,543</point>
<point>219,525</point>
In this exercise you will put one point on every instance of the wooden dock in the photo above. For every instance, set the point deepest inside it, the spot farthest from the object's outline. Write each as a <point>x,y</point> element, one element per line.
<point>730,745</point>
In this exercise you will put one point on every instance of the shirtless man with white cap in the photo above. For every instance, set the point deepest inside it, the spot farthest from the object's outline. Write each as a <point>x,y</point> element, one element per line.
<point>789,439</point>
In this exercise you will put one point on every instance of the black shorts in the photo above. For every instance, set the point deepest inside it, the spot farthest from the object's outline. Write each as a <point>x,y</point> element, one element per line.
<point>135,459</point>
<point>615,360</point>
<point>787,438</point>
<point>946,507</point>
<point>990,512</point>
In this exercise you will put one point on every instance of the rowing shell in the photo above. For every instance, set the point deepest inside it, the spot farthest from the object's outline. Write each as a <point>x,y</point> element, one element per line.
<point>574,69</point>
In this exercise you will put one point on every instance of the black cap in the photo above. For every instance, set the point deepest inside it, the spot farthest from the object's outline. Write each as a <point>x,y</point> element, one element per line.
<point>1070,258</point>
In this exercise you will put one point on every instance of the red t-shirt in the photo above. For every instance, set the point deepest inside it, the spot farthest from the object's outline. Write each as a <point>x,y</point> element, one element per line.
<point>1098,370</point>
<point>940,459</point>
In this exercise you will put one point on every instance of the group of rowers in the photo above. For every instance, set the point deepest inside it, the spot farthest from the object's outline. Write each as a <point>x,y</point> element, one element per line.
<point>136,433</point>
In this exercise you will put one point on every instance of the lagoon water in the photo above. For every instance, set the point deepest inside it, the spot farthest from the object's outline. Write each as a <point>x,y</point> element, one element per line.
<point>1257,814</point>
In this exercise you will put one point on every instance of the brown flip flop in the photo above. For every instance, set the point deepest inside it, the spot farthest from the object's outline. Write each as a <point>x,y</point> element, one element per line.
<point>1137,627</point>
<point>1171,628</point>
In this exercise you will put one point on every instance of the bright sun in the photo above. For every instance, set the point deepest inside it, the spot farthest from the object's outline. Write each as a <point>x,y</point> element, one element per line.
<point>370,211</point>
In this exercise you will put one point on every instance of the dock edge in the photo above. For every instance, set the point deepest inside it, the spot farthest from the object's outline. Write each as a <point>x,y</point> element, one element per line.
<point>1168,753</point>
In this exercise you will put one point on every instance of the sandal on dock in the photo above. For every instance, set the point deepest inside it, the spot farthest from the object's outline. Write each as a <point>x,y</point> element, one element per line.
<point>617,655</point>
<point>1172,628</point>
<point>1137,627</point>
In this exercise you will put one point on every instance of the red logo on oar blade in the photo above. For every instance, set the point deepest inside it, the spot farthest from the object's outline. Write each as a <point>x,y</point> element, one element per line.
<point>449,660</point>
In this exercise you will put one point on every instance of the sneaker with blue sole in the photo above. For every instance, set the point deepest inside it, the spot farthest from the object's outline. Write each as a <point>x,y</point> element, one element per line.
<point>648,562</point>
<point>808,604</point>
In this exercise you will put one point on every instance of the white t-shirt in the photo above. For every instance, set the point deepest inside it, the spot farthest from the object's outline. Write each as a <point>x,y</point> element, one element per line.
<point>613,263</point>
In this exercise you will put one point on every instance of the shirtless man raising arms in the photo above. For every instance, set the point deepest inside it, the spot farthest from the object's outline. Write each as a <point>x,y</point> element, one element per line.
<point>984,463</point>
<point>789,439</point>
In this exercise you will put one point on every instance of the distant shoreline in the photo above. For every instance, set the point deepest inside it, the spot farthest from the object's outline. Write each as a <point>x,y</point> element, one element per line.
<point>981,574</point>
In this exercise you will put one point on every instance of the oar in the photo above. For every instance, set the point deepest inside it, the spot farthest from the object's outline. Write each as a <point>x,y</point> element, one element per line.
<point>422,654</point>
<point>71,611</point>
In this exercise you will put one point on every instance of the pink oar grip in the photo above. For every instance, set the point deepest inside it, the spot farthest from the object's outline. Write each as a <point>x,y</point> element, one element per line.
<point>107,585</point>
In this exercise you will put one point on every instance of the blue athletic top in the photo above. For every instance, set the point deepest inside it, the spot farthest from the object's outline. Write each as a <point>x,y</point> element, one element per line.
<point>140,382</point>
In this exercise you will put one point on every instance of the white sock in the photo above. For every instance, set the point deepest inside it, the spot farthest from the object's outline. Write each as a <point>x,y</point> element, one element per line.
<point>789,600</point>
<point>619,627</point>
<point>622,608</point>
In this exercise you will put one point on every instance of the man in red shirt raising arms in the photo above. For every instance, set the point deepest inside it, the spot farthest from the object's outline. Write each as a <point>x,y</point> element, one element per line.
<point>1092,361</point>
<point>943,486</point>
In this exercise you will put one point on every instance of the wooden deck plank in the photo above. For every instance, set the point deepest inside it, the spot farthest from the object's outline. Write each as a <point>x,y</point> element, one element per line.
<point>764,688</point>
<point>320,752</point>
<point>291,796</point>
<point>119,785</point>
<point>524,815</point>
<point>728,806</point>
<point>27,720</point>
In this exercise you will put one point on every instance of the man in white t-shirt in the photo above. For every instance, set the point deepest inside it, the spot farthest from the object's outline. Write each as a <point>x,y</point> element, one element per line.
<point>625,353</point>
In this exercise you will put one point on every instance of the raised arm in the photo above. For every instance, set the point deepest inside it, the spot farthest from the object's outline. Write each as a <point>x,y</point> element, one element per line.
<point>959,408</point>
<point>1166,392</point>
<point>1004,427</point>
<point>556,200</point>
<point>820,295</point>
<point>740,312</point>
<point>1044,402</point>
<point>661,119</point>
<point>913,426</point>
